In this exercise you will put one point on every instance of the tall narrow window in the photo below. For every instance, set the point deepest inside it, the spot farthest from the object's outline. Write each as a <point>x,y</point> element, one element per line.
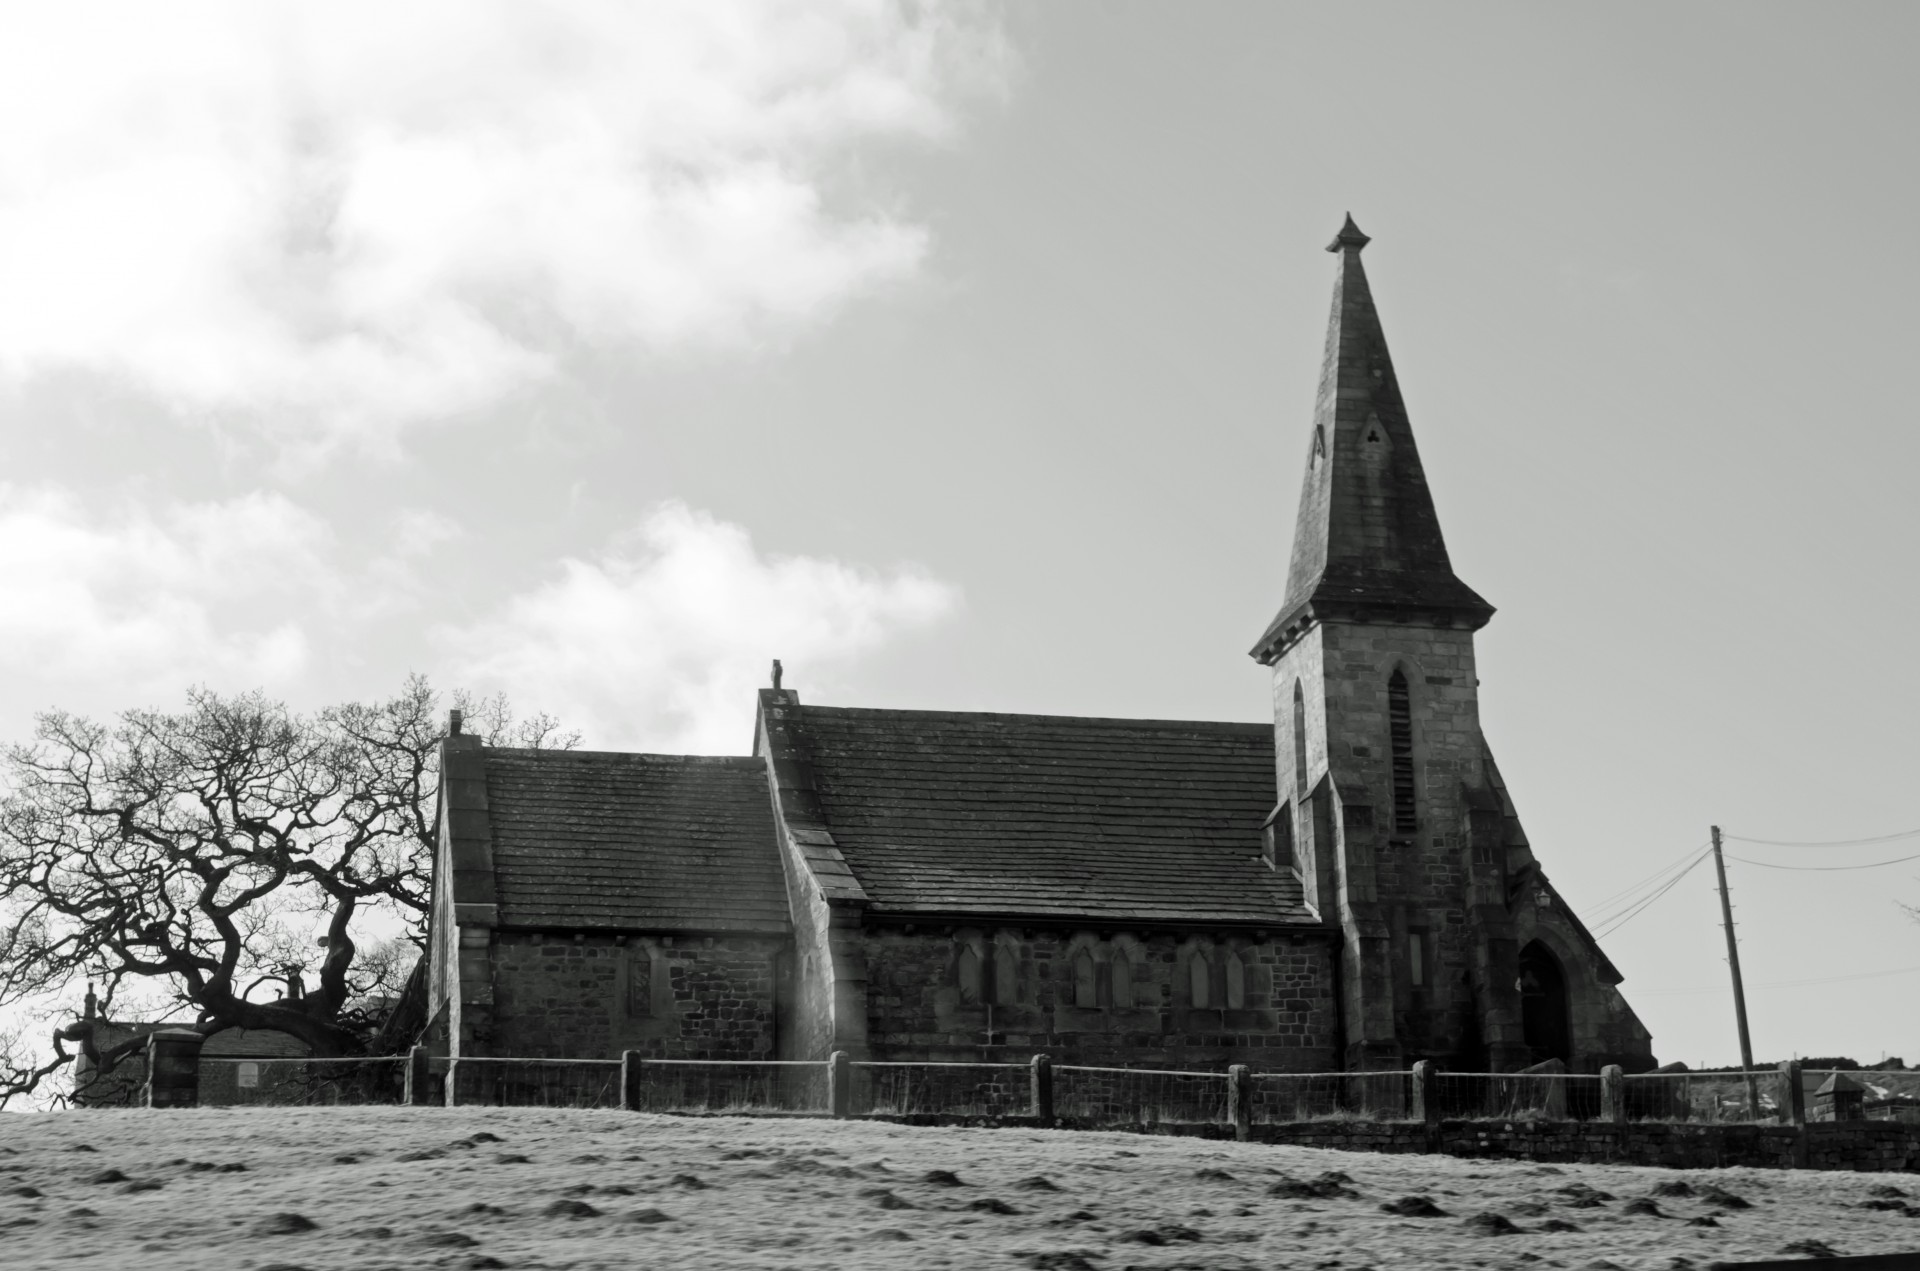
<point>1122,980</point>
<point>1299,738</point>
<point>967,971</point>
<point>1400,737</point>
<point>639,985</point>
<point>1200,981</point>
<point>1416,957</point>
<point>1086,984</point>
<point>1236,983</point>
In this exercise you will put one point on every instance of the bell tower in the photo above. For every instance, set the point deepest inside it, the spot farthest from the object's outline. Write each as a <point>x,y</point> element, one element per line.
<point>1399,827</point>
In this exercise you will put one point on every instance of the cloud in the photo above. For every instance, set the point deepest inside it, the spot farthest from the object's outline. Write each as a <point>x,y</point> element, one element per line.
<point>335,222</point>
<point>109,603</point>
<point>660,640</point>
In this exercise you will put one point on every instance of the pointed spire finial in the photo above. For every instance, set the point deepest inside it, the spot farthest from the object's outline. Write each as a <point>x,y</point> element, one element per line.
<point>1349,236</point>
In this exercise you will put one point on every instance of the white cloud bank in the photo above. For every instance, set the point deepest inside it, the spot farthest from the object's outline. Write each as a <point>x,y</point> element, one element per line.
<point>335,221</point>
<point>108,610</point>
<point>660,640</point>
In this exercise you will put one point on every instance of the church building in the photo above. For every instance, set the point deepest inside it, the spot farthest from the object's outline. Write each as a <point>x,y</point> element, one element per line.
<point>1349,888</point>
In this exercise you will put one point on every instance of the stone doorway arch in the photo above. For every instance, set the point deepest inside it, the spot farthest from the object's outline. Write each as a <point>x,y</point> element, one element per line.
<point>1546,1018</point>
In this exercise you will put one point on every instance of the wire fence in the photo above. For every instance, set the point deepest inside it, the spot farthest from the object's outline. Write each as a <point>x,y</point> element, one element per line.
<point>723,1086</point>
<point>292,1082</point>
<point>1713,1097</point>
<point>1515,1096</point>
<point>1080,1095</point>
<point>1138,1096</point>
<point>1278,1098</point>
<point>536,1083</point>
<point>954,1089</point>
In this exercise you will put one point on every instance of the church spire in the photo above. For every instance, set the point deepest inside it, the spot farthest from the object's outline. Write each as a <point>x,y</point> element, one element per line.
<point>1367,544</point>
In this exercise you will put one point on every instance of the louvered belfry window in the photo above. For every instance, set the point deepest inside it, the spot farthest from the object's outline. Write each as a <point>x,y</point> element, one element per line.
<point>1400,739</point>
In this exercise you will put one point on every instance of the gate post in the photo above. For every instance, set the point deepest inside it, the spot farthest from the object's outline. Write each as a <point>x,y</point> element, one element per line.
<point>839,1083</point>
<point>1042,1089</point>
<point>1793,1094</point>
<point>1423,1105</point>
<point>1613,1094</point>
<point>631,1075</point>
<point>1793,1109</point>
<point>1240,1100</point>
<point>1426,1104</point>
<point>453,1081</point>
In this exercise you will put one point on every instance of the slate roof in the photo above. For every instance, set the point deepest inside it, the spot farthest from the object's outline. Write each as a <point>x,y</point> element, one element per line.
<point>1051,816</point>
<point>595,839</point>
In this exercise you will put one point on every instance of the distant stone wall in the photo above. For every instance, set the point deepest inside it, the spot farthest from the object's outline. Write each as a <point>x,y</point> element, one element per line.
<point>668,997</point>
<point>1029,1000</point>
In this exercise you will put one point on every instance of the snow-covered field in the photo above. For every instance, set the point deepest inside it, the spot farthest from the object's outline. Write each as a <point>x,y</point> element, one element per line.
<point>265,1189</point>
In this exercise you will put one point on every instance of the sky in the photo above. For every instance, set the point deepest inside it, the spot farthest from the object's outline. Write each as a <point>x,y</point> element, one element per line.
<point>963,357</point>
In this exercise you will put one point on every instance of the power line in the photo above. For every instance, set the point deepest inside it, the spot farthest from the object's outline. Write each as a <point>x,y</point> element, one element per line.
<point>1785,984</point>
<point>1658,874</point>
<point>1637,896</point>
<point>1623,919</point>
<point>1900,860</point>
<point>1866,842</point>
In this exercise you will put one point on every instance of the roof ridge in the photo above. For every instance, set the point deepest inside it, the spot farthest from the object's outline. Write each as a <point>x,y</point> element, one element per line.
<point>739,761</point>
<point>1223,725</point>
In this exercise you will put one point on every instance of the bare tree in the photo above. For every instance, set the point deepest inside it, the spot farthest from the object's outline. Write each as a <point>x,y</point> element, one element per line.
<point>201,850</point>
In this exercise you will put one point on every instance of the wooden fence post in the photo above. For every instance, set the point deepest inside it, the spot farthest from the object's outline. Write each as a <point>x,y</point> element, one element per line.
<point>631,1075</point>
<point>839,1083</point>
<point>1042,1089</point>
<point>1240,1100</point>
<point>1613,1094</point>
<point>453,1081</point>
<point>418,1075</point>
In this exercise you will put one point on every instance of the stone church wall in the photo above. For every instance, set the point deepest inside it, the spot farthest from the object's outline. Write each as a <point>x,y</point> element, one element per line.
<point>668,997</point>
<point>1029,993</point>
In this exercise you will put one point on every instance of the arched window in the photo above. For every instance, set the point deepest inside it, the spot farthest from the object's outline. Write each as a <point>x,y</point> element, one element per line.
<point>967,971</point>
<point>1400,746</point>
<point>1086,983</point>
<point>1006,973</point>
<point>1200,981</point>
<point>1299,738</point>
<point>1122,980</point>
<point>1236,983</point>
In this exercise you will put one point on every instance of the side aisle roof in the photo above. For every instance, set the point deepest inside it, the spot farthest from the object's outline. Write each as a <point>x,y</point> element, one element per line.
<point>599,839</point>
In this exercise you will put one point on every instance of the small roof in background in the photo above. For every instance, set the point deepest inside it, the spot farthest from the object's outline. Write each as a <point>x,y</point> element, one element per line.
<point>1840,1083</point>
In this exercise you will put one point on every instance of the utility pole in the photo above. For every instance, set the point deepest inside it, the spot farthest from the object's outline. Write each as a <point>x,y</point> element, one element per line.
<point>1739,992</point>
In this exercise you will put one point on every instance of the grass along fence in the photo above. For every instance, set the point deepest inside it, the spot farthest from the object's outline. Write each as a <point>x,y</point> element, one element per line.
<point>1043,1092</point>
